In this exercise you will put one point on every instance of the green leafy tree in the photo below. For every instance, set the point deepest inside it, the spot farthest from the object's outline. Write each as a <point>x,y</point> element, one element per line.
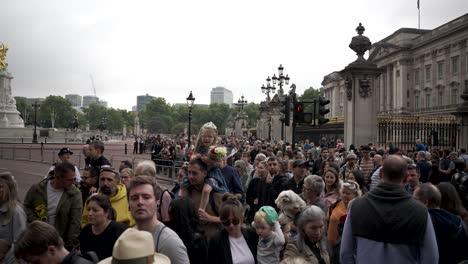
<point>57,112</point>
<point>253,112</point>
<point>26,110</point>
<point>95,115</point>
<point>156,117</point>
<point>310,94</point>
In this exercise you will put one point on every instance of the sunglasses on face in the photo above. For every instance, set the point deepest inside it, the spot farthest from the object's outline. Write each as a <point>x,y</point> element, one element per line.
<point>229,222</point>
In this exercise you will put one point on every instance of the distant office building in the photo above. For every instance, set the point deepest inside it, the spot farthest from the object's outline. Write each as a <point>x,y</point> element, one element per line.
<point>32,100</point>
<point>75,99</point>
<point>102,103</point>
<point>134,108</point>
<point>90,99</point>
<point>221,95</point>
<point>142,100</point>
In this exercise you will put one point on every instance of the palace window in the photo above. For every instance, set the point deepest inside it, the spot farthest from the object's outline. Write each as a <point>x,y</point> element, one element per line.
<point>454,96</point>
<point>416,102</point>
<point>440,98</point>
<point>428,100</point>
<point>416,76</point>
<point>455,65</point>
<point>440,70</point>
<point>428,73</point>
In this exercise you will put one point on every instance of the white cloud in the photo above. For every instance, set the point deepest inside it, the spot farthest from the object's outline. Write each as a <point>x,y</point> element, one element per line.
<point>167,48</point>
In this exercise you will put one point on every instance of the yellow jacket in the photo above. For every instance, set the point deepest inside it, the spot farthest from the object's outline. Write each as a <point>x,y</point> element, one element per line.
<point>119,203</point>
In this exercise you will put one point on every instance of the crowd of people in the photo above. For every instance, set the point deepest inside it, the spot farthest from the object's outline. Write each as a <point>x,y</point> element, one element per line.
<point>244,202</point>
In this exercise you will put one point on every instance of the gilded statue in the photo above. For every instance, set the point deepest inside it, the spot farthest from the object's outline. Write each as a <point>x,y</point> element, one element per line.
<point>3,51</point>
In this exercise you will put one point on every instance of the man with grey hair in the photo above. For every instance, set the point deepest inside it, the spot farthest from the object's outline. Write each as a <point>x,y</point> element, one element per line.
<point>313,187</point>
<point>109,185</point>
<point>387,225</point>
<point>375,174</point>
<point>449,229</point>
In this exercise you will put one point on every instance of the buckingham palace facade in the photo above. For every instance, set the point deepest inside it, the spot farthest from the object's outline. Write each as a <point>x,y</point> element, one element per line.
<point>418,90</point>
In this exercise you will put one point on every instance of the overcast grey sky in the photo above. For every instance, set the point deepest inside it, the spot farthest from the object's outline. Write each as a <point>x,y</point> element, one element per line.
<point>167,48</point>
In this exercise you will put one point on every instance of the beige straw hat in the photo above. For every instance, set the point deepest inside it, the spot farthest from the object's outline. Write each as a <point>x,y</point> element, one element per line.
<point>135,247</point>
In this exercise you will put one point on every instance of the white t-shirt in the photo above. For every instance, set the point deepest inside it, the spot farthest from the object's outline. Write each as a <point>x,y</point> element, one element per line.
<point>240,251</point>
<point>53,198</point>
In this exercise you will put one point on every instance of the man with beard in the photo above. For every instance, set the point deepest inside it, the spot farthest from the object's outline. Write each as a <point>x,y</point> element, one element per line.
<point>109,185</point>
<point>89,183</point>
<point>270,187</point>
<point>57,201</point>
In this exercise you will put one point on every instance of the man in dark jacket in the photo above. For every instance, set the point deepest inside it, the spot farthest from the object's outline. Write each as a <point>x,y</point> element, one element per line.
<point>41,243</point>
<point>317,170</point>
<point>450,231</point>
<point>271,186</point>
<point>296,183</point>
<point>96,148</point>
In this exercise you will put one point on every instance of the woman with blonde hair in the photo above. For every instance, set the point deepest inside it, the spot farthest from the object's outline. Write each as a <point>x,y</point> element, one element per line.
<point>12,217</point>
<point>349,191</point>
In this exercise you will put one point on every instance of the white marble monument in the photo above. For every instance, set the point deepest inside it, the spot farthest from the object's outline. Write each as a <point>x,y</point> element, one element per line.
<point>9,115</point>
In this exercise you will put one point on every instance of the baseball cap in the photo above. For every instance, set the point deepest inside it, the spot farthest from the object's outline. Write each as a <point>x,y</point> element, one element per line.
<point>270,214</point>
<point>65,151</point>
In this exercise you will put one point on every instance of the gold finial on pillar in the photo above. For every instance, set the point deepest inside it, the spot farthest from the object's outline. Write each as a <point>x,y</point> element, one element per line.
<point>3,51</point>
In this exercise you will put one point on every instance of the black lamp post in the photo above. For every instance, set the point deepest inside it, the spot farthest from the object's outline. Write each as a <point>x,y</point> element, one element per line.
<point>266,89</point>
<point>281,79</point>
<point>190,100</point>
<point>35,105</point>
<point>241,102</point>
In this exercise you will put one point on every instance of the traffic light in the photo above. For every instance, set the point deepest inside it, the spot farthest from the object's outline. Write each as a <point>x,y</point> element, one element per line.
<point>286,111</point>
<point>323,111</point>
<point>298,112</point>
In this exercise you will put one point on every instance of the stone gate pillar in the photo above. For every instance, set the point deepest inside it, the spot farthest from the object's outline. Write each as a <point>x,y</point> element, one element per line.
<point>263,124</point>
<point>360,108</point>
<point>241,122</point>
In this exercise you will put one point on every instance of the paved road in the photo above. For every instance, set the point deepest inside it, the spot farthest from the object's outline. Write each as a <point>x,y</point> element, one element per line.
<point>28,173</point>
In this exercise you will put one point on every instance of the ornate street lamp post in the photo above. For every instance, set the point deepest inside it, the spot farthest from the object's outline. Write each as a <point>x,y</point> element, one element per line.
<point>35,105</point>
<point>281,79</point>
<point>190,101</point>
<point>241,102</point>
<point>266,89</point>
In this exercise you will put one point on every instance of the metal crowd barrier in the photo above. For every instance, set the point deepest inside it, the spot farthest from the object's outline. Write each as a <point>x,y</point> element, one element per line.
<point>166,169</point>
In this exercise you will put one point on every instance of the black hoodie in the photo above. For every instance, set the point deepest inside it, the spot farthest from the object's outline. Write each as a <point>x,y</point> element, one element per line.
<point>451,236</point>
<point>389,214</point>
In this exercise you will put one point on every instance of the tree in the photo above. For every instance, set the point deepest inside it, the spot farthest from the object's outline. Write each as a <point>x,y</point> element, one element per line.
<point>310,94</point>
<point>56,111</point>
<point>95,115</point>
<point>156,117</point>
<point>26,110</point>
<point>253,113</point>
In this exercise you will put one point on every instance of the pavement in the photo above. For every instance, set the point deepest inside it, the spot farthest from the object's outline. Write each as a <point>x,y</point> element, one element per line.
<point>29,163</point>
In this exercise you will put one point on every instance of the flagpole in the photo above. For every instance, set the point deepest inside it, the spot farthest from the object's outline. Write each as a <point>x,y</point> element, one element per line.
<point>419,16</point>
